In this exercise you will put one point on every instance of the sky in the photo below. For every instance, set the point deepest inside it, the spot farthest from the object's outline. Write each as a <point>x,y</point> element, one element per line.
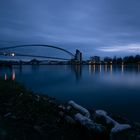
<point>95,27</point>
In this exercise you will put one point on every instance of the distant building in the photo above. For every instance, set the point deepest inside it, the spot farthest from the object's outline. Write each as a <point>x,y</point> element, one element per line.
<point>108,60</point>
<point>95,59</point>
<point>78,56</point>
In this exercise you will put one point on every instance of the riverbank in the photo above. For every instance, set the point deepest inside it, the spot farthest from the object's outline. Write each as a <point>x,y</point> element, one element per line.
<point>25,115</point>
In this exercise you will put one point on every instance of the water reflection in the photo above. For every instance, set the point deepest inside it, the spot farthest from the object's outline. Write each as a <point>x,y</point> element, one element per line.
<point>5,77</point>
<point>35,67</point>
<point>105,68</point>
<point>20,68</point>
<point>138,68</point>
<point>100,68</point>
<point>95,69</point>
<point>77,69</point>
<point>9,75</point>
<point>122,68</point>
<point>13,75</point>
<point>91,69</point>
<point>113,68</point>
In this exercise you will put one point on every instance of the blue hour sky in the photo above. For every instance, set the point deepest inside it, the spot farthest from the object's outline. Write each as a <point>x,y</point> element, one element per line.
<point>96,27</point>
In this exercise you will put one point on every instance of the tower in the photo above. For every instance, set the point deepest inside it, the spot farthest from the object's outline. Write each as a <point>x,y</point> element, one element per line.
<point>78,56</point>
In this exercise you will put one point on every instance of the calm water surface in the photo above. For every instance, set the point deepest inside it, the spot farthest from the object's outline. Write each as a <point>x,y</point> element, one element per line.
<point>115,89</point>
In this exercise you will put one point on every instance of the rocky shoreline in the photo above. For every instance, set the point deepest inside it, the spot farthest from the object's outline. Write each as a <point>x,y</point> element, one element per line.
<point>25,115</point>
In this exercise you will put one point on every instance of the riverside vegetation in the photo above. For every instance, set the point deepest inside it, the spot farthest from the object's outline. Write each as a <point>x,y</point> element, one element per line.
<point>26,115</point>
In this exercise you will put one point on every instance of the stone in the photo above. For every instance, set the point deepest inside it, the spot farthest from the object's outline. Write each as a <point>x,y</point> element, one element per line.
<point>7,114</point>
<point>82,110</point>
<point>69,119</point>
<point>88,123</point>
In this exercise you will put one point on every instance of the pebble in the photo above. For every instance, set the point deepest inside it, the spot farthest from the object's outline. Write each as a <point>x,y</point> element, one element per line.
<point>37,98</point>
<point>69,120</point>
<point>7,114</point>
<point>20,94</point>
<point>68,107</point>
<point>61,107</point>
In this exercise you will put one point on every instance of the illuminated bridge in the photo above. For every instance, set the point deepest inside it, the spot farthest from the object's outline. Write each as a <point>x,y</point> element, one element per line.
<point>74,56</point>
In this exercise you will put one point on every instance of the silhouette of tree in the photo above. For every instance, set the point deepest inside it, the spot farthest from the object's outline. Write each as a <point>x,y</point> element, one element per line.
<point>119,60</point>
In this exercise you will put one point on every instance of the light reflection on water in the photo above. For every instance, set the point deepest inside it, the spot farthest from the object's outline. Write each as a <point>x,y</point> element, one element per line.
<point>113,88</point>
<point>8,75</point>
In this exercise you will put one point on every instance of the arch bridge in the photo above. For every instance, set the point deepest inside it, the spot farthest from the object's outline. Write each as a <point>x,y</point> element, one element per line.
<point>76,56</point>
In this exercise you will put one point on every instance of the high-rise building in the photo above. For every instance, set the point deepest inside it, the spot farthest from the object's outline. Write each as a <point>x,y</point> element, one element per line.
<point>78,56</point>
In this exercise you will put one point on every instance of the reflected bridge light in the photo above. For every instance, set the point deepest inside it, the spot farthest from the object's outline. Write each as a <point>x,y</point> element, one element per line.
<point>5,77</point>
<point>13,75</point>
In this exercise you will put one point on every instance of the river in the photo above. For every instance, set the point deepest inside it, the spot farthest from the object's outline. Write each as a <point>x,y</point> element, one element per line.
<point>115,89</point>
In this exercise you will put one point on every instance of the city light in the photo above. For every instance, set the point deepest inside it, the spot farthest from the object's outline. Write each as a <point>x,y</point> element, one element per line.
<point>12,54</point>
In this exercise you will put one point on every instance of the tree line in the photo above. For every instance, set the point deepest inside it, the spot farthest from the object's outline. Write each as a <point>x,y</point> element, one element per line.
<point>117,60</point>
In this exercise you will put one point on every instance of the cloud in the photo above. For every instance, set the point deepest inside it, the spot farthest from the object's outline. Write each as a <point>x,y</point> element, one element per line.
<point>93,26</point>
<point>128,48</point>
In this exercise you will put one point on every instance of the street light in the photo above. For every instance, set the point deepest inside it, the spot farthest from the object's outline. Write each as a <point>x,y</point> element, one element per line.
<point>12,54</point>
